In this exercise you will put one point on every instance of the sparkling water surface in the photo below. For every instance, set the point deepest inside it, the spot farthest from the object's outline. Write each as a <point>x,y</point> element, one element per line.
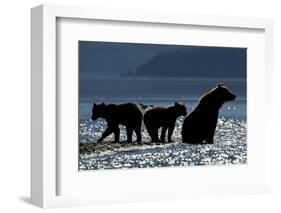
<point>230,147</point>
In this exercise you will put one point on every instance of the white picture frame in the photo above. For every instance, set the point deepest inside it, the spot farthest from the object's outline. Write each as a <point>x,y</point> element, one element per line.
<point>44,149</point>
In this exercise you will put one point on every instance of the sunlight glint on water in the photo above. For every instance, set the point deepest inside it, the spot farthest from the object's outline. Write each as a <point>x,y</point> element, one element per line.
<point>230,146</point>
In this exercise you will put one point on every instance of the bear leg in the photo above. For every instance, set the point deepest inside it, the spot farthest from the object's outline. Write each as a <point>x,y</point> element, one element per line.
<point>163,133</point>
<point>138,133</point>
<point>170,132</point>
<point>116,132</point>
<point>153,133</point>
<point>155,137</point>
<point>129,134</point>
<point>210,136</point>
<point>106,133</point>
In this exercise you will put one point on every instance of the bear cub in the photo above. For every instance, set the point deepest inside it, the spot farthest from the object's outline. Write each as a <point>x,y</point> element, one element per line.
<point>200,125</point>
<point>127,114</point>
<point>163,117</point>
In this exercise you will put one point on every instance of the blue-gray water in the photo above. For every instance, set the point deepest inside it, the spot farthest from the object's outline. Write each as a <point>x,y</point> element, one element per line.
<point>230,145</point>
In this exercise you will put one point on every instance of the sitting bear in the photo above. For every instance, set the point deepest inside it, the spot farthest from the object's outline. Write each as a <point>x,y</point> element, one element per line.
<point>128,115</point>
<point>199,126</point>
<point>162,117</point>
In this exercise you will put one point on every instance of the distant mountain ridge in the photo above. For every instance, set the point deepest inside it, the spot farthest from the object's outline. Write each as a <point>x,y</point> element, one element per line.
<point>111,59</point>
<point>198,62</point>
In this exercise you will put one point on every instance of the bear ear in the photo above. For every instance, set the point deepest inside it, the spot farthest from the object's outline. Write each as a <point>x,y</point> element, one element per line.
<point>94,104</point>
<point>176,103</point>
<point>103,104</point>
<point>220,85</point>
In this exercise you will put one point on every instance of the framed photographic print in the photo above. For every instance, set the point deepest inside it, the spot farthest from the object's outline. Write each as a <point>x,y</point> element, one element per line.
<point>130,106</point>
<point>160,105</point>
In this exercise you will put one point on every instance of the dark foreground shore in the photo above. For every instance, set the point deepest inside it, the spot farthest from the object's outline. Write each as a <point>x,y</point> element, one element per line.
<point>105,146</point>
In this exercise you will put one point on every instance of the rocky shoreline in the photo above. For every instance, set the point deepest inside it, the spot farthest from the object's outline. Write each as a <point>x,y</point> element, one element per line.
<point>105,146</point>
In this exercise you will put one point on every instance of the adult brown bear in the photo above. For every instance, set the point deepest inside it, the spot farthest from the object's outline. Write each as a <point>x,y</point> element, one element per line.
<point>128,115</point>
<point>199,126</point>
<point>162,117</point>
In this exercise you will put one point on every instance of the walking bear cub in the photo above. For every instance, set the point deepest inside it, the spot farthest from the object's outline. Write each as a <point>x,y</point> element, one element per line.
<point>162,117</point>
<point>127,114</point>
<point>199,126</point>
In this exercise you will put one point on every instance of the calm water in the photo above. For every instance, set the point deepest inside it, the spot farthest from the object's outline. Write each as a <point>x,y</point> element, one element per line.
<point>230,145</point>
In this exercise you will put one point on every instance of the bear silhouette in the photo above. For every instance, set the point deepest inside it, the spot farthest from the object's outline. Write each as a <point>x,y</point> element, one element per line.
<point>127,114</point>
<point>162,117</point>
<point>199,126</point>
